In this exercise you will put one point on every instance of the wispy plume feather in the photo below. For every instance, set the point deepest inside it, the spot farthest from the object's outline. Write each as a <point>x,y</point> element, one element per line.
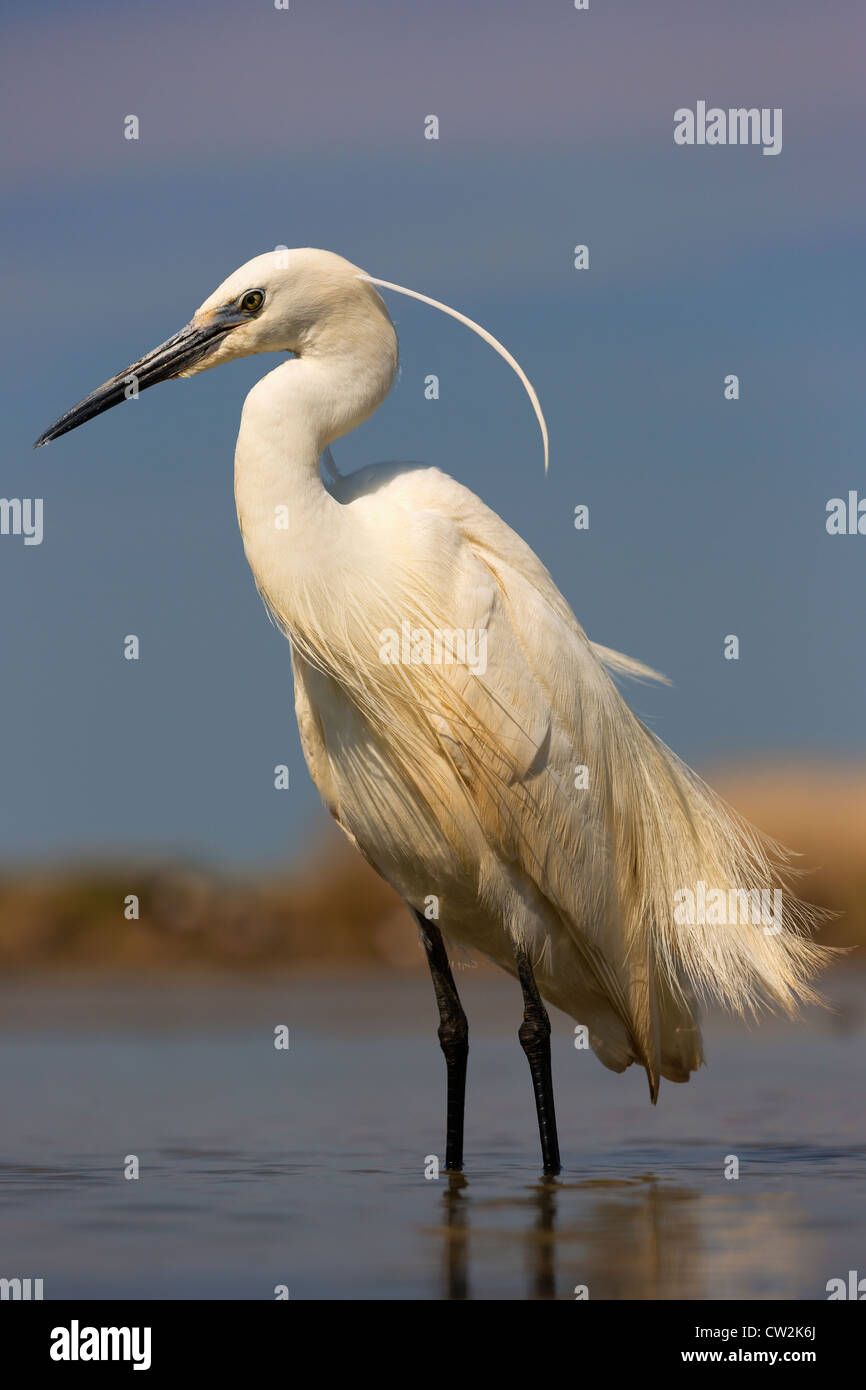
<point>488,338</point>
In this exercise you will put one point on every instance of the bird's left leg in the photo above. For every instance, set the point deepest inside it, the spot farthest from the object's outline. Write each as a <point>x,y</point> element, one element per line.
<point>534,1035</point>
<point>453,1038</point>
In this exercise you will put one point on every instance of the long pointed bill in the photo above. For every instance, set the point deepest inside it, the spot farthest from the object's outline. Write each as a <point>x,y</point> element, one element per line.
<point>168,360</point>
<point>488,338</point>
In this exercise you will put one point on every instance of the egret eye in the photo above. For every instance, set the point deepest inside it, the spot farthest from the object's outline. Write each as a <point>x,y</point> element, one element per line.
<point>252,301</point>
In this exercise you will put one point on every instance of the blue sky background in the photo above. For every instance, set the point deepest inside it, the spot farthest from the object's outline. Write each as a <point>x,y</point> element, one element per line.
<point>305,127</point>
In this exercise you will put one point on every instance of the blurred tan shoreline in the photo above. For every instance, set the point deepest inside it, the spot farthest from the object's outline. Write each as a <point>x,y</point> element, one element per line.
<point>337,910</point>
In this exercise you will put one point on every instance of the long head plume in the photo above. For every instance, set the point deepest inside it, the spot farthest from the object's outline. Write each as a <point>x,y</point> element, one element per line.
<point>488,338</point>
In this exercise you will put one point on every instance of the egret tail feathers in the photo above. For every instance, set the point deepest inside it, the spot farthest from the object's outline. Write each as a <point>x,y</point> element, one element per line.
<point>709,895</point>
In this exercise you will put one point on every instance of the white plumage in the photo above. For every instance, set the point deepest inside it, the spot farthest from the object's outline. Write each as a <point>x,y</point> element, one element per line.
<point>460,784</point>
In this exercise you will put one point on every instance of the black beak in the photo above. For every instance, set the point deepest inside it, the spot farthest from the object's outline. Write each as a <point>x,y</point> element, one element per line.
<point>168,360</point>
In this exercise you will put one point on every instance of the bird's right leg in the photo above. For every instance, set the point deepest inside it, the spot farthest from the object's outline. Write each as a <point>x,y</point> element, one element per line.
<point>453,1038</point>
<point>534,1035</point>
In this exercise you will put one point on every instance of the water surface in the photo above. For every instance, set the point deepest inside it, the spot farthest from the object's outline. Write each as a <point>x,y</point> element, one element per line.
<point>305,1168</point>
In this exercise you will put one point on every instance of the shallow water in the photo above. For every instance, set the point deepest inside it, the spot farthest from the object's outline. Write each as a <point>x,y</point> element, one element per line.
<point>305,1167</point>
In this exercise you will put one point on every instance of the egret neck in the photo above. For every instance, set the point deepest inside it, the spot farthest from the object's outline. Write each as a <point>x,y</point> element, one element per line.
<point>294,531</point>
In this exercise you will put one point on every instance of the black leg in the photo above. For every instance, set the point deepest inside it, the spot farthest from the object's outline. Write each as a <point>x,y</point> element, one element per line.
<point>453,1038</point>
<point>534,1035</point>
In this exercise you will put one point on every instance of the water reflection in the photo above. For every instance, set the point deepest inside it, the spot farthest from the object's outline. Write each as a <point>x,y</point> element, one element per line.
<point>540,1205</point>
<point>630,1238</point>
<point>541,1240</point>
<point>456,1243</point>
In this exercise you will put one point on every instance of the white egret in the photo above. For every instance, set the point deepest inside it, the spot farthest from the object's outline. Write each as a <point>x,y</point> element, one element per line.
<point>455,777</point>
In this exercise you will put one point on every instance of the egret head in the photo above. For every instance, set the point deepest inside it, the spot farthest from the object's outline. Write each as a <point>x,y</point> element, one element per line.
<point>303,301</point>
<point>309,302</point>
